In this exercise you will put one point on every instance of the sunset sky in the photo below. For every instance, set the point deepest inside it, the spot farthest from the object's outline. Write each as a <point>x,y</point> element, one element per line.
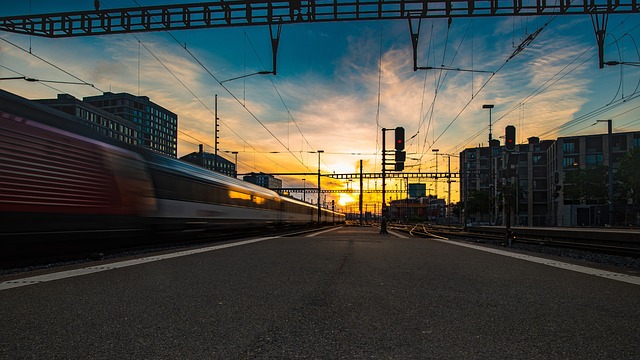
<point>339,84</point>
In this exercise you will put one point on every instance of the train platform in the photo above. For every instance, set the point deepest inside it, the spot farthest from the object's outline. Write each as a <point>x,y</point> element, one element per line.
<point>347,292</point>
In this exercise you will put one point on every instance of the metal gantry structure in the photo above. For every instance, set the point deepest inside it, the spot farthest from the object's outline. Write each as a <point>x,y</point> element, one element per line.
<point>225,13</point>
<point>268,12</point>
<point>377,175</point>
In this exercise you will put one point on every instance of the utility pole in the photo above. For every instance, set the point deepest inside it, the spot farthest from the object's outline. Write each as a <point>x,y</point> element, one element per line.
<point>449,190</point>
<point>319,189</point>
<point>492,186</point>
<point>360,198</point>
<point>610,171</point>
<point>215,138</point>
<point>435,151</point>
<point>383,219</point>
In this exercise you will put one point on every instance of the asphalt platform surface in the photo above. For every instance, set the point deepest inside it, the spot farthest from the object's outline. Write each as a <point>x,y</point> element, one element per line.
<point>349,293</point>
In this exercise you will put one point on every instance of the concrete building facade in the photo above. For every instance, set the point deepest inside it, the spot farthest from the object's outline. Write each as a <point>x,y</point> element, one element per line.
<point>534,181</point>
<point>212,162</point>
<point>98,120</point>
<point>158,126</point>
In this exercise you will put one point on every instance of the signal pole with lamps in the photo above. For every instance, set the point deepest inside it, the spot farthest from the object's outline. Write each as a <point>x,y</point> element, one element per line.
<point>400,157</point>
<point>509,147</point>
<point>319,189</point>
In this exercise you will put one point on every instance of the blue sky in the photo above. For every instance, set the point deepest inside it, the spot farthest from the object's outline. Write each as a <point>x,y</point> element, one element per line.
<point>338,84</point>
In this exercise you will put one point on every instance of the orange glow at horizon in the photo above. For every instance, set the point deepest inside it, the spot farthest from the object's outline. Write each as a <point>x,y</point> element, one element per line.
<point>345,199</point>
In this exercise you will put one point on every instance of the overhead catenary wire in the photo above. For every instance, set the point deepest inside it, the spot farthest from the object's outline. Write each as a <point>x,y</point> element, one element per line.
<point>518,50</point>
<point>439,83</point>
<point>290,116</point>
<point>235,98</point>
<point>24,76</point>
<point>548,84</point>
<point>30,52</point>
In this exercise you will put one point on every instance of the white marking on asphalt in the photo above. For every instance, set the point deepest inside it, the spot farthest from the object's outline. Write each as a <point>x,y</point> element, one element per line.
<point>558,264</point>
<point>322,232</point>
<point>99,268</point>
<point>397,234</point>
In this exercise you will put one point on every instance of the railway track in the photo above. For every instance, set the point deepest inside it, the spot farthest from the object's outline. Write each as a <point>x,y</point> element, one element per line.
<point>621,245</point>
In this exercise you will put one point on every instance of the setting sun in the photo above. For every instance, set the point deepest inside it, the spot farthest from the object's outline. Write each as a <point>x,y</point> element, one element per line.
<point>345,199</point>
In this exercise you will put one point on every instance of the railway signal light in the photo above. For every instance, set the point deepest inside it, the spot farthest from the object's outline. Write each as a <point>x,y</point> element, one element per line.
<point>399,138</point>
<point>401,156</point>
<point>510,138</point>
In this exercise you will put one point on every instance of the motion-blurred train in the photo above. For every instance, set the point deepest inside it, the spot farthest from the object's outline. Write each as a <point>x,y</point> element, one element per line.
<point>58,182</point>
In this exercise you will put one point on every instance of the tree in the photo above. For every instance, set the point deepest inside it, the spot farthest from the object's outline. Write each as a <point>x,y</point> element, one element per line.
<point>479,203</point>
<point>586,186</point>
<point>628,175</point>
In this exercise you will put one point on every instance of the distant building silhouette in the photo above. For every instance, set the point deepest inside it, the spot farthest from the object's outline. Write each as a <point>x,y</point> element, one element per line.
<point>158,126</point>
<point>264,180</point>
<point>212,162</point>
<point>100,121</point>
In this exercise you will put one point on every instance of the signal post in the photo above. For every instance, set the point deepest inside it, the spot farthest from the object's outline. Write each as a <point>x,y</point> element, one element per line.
<point>512,163</point>
<point>398,165</point>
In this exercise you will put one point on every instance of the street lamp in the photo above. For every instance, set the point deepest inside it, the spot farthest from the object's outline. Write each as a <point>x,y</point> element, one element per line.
<point>610,180</point>
<point>319,209</point>
<point>491,185</point>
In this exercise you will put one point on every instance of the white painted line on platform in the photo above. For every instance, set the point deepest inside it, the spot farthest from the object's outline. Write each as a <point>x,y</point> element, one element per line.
<point>122,264</point>
<point>324,231</point>
<point>397,234</point>
<point>558,264</point>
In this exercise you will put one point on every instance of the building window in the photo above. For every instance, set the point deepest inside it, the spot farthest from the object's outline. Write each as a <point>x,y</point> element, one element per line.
<point>569,161</point>
<point>569,147</point>
<point>619,143</point>
<point>594,159</point>
<point>594,145</point>
<point>536,159</point>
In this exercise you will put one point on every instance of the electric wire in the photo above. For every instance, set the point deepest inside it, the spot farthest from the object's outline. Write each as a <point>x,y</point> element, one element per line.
<point>439,84</point>
<point>550,82</point>
<point>233,96</point>
<point>24,76</point>
<point>518,50</point>
<point>290,115</point>
<point>49,63</point>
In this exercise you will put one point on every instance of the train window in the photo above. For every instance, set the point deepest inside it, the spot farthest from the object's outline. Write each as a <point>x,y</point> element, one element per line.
<point>238,195</point>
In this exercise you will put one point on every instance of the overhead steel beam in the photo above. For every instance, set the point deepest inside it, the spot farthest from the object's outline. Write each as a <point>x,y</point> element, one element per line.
<point>264,12</point>
<point>401,175</point>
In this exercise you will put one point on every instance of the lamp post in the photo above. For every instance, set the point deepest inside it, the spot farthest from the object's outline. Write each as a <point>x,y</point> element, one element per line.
<point>491,185</point>
<point>610,171</point>
<point>319,209</point>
